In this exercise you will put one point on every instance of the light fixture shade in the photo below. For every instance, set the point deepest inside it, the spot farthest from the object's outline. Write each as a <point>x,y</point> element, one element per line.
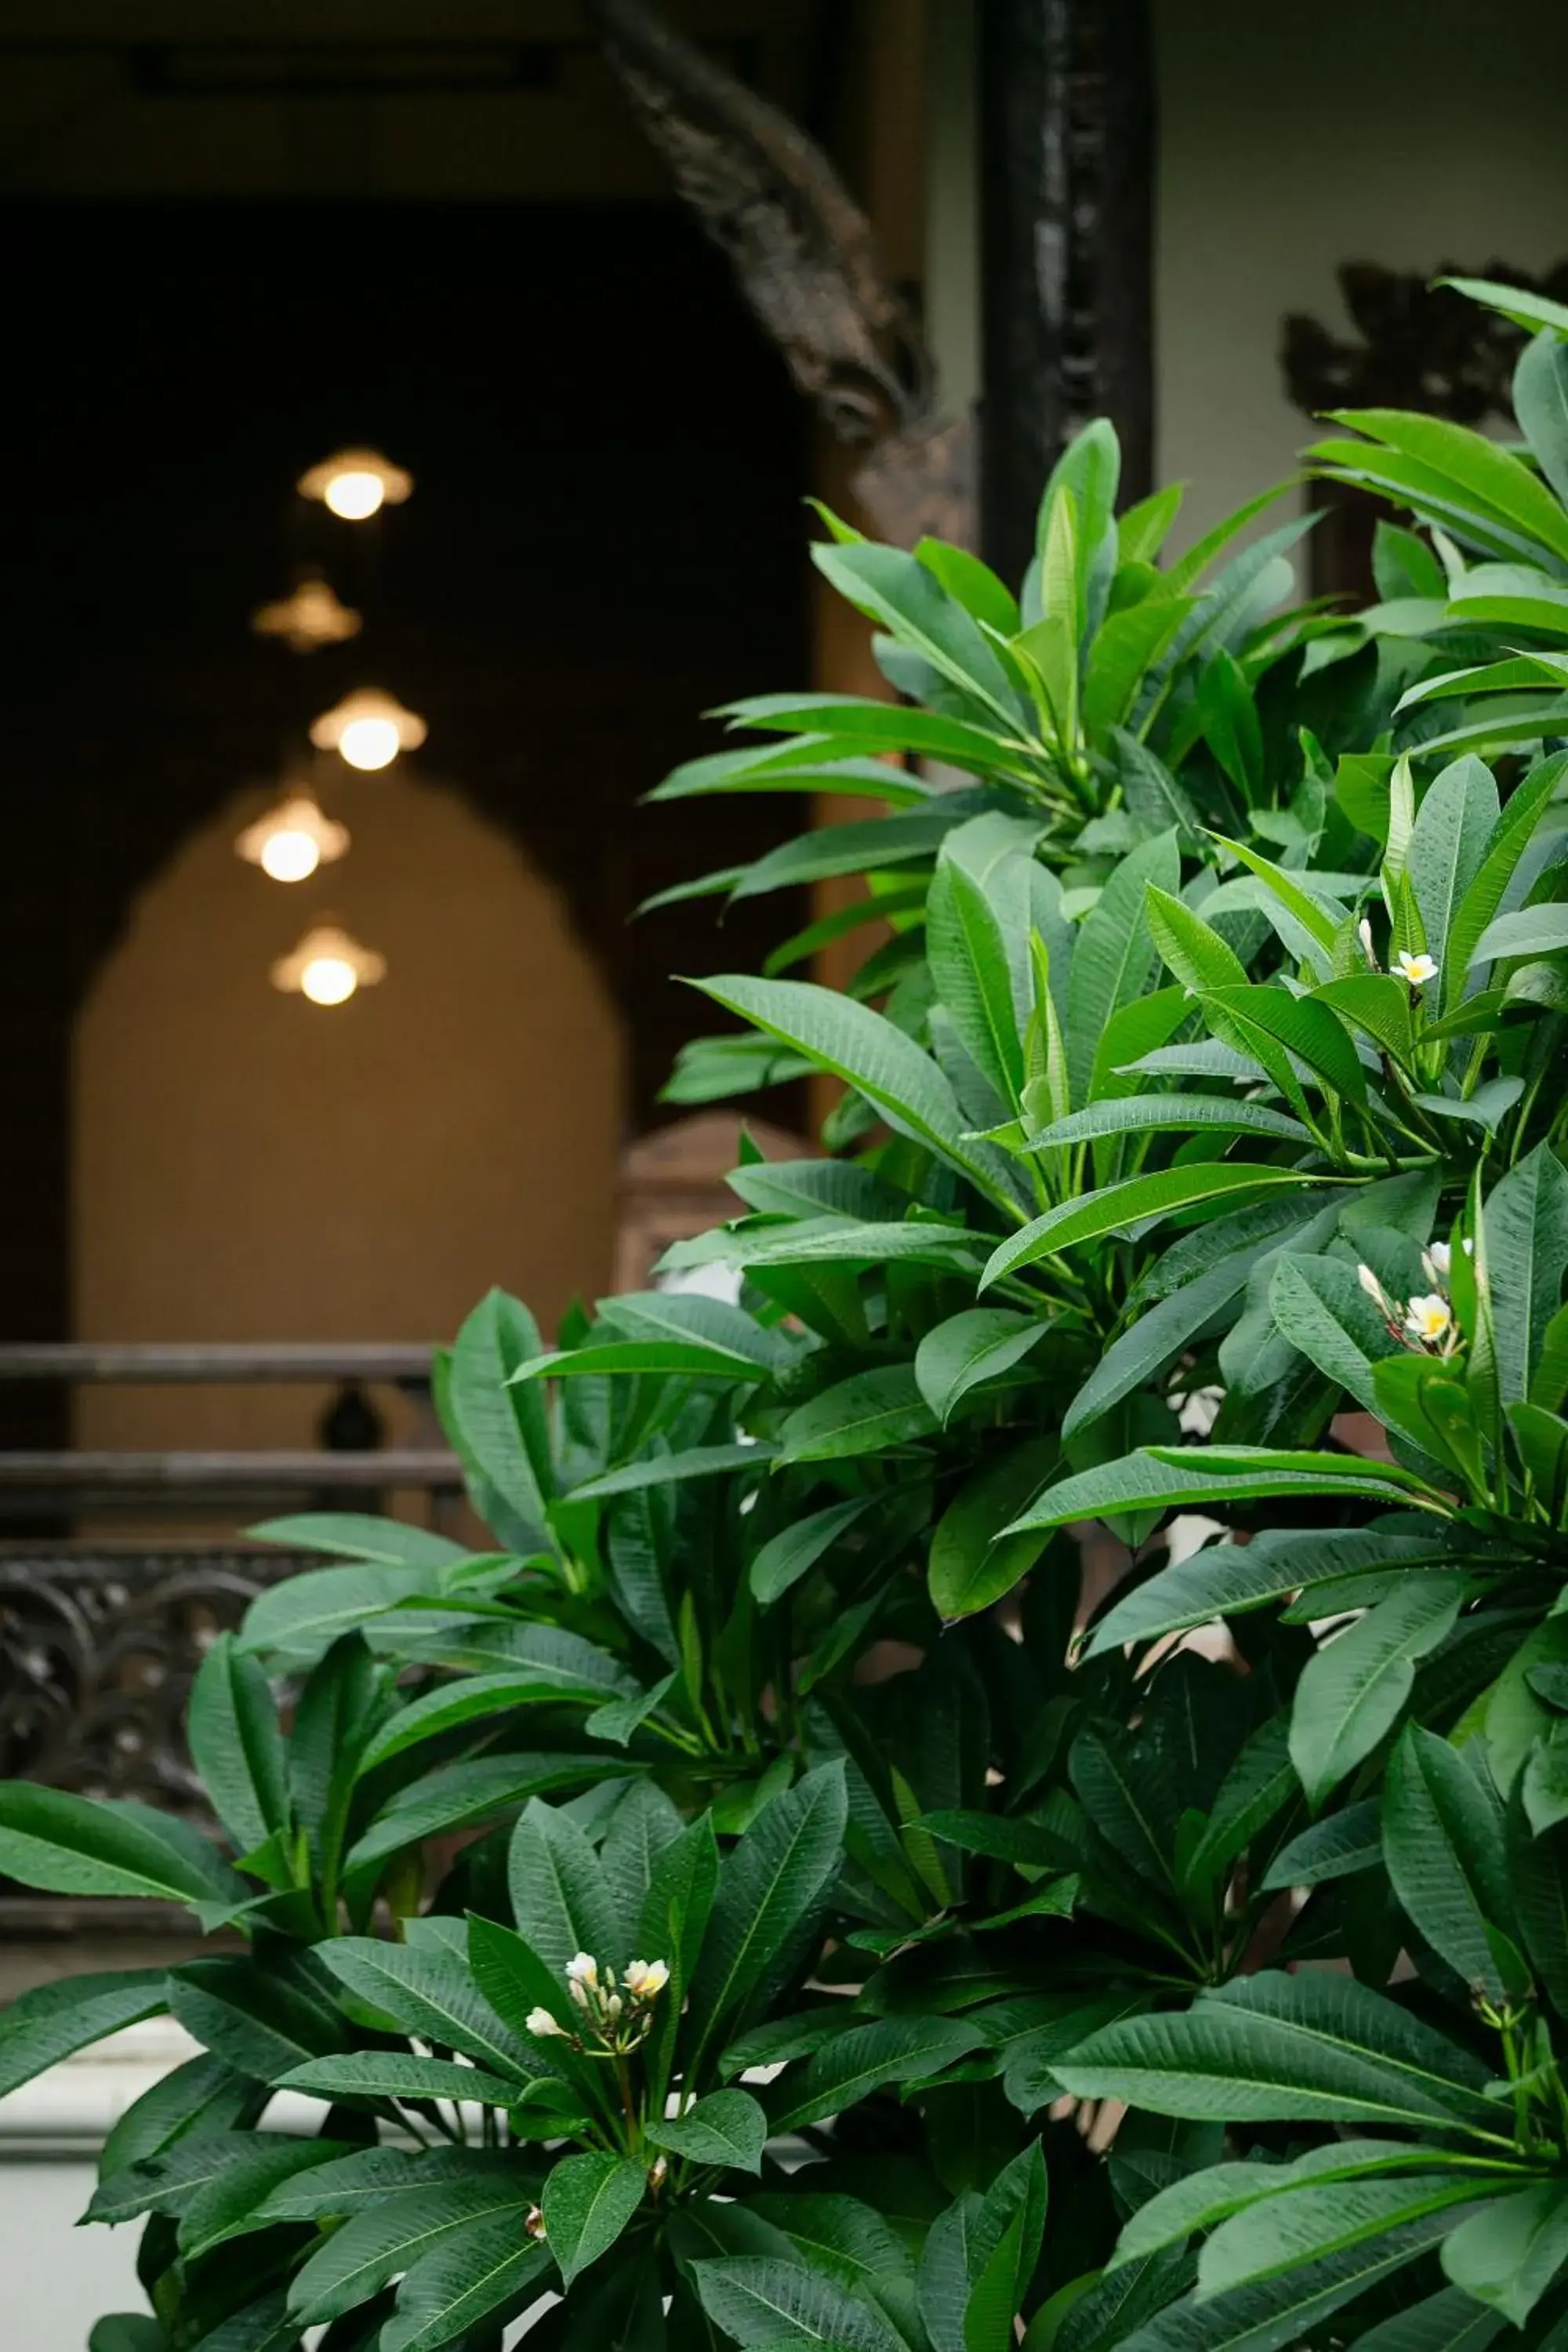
<point>327,967</point>
<point>292,840</point>
<point>356,484</point>
<point>310,617</point>
<point>368,729</point>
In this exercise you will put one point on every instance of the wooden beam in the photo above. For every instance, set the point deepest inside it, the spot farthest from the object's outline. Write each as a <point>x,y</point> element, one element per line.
<point>1067,121</point>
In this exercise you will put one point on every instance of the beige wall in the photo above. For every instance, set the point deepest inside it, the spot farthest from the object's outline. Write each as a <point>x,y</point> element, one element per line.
<point>1307,133</point>
<point>249,1166</point>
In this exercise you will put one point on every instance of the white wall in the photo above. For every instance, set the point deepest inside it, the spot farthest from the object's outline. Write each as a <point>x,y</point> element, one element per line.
<point>1303,133</point>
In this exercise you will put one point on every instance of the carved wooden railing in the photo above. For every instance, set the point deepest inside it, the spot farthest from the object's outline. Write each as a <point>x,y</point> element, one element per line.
<point>101,1632</point>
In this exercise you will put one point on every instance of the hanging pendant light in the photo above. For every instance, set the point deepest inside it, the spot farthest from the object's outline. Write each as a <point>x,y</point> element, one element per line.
<point>327,967</point>
<point>292,840</point>
<point>368,729</point>
<point>310,617</point>
<point>356,484</point>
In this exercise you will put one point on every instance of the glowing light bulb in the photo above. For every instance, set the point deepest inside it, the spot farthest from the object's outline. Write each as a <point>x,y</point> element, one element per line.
<point>356,484</point>
<point>368,729</point>
<point>292,840</point>
<point>327,967</point>
<point>290,857</point>
<point>329,979</point>
<point>355,495</point>
<point>370,743</point>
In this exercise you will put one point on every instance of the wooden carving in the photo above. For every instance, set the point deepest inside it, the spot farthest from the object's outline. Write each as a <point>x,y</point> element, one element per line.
<point>807,264</point>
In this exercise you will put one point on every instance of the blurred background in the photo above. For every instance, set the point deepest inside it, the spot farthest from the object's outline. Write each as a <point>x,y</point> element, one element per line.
<point>478,357</point>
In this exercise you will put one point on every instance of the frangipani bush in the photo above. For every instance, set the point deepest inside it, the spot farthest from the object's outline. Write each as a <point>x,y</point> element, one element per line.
<point>757,1900</point>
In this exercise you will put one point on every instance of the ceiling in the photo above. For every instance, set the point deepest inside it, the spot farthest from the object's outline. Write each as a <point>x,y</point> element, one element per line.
<point>413,98</point>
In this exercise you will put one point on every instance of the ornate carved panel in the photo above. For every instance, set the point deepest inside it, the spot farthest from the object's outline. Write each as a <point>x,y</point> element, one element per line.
<point>98,1650</point>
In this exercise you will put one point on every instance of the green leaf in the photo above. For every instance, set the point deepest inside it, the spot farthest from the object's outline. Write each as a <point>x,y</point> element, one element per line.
<point>1378,1003</point>
<point>1302,1025</point>
<point>770,2306</point>
<point>355,1534</point>
<point>1179,1478</point>
<point>880,842</point>
<point>726,2127</point>
<point>300,1618</point>
<point>225,2206</point>
<point>1151,1114</point>
<point>427,1993</point>
<point>969,960</point>
<point>54,2021</point>
<point>74,1846</point>
<point>671,1469</point>
<point>808,764</point>
<point>1445,2322</point>
<point>867,2058</point>
<point>1508,2254</point>
<point>1114,957</point>
<point>1472,466</point>
<point>864,1049</point>
<point>1314,919</point>
<point>236,1744</point>
<point>201,2096</point>
<point>1285,2232</point>
<point>396,2075</point>
<point>1156,1337</point>
<point>1193,952</point>
<point>1443,1843</point>
<point>384,2240</point>
<point>1352,1691</point>
<point>894,589</point>
<point>478,1697</point>
<point>771,1893</point>
<point>1114,1207</point>
<point>788,1556</point>
<point>1229,719</point>
<point>1523,812</point>
<point>500,1430</point>
<point>1319,1305</point>
<point>1525,308</point>
<point>867,1414</point>
<point>486,2267</point>
<point>457,1796</point>
<point>588,2201</point>
<point>881,726</point>
<point>1541,930</point>
<point>1227,1580</point>
<point>969,1568</point>
<point>1526,1255</point>
<point>1336,1847</point>
<point>560,1895</point>
<point>127,2331</point>
<point>368,2177</point>
<point>260,2020</point>
<point>1275,2048</point>
<point>968,1349</point>
<point>1448,844</point>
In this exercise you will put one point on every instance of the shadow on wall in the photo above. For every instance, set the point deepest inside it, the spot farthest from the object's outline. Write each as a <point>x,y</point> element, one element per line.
<point>250,1166</point>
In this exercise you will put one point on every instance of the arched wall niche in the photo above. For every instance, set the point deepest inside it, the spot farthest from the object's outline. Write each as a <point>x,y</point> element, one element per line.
<point>248,1166</point>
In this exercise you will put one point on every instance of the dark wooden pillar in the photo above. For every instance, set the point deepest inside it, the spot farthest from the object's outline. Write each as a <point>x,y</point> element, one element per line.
<point>1067,160</point>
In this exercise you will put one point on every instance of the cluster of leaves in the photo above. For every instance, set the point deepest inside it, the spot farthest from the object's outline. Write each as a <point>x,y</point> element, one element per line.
<point>906,1956</point>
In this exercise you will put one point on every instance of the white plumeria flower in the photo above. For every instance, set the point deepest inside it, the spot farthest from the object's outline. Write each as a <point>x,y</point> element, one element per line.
<point>1372,1287</point>
<point>1363,930</point>
<point>1416,969</point>
<point>540,2023</point>
<point>533,2221</point>
<point>583,1969</point>
<point>1428,1318</point>
<point>647,1978</point>
<point>1439,1257</point>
